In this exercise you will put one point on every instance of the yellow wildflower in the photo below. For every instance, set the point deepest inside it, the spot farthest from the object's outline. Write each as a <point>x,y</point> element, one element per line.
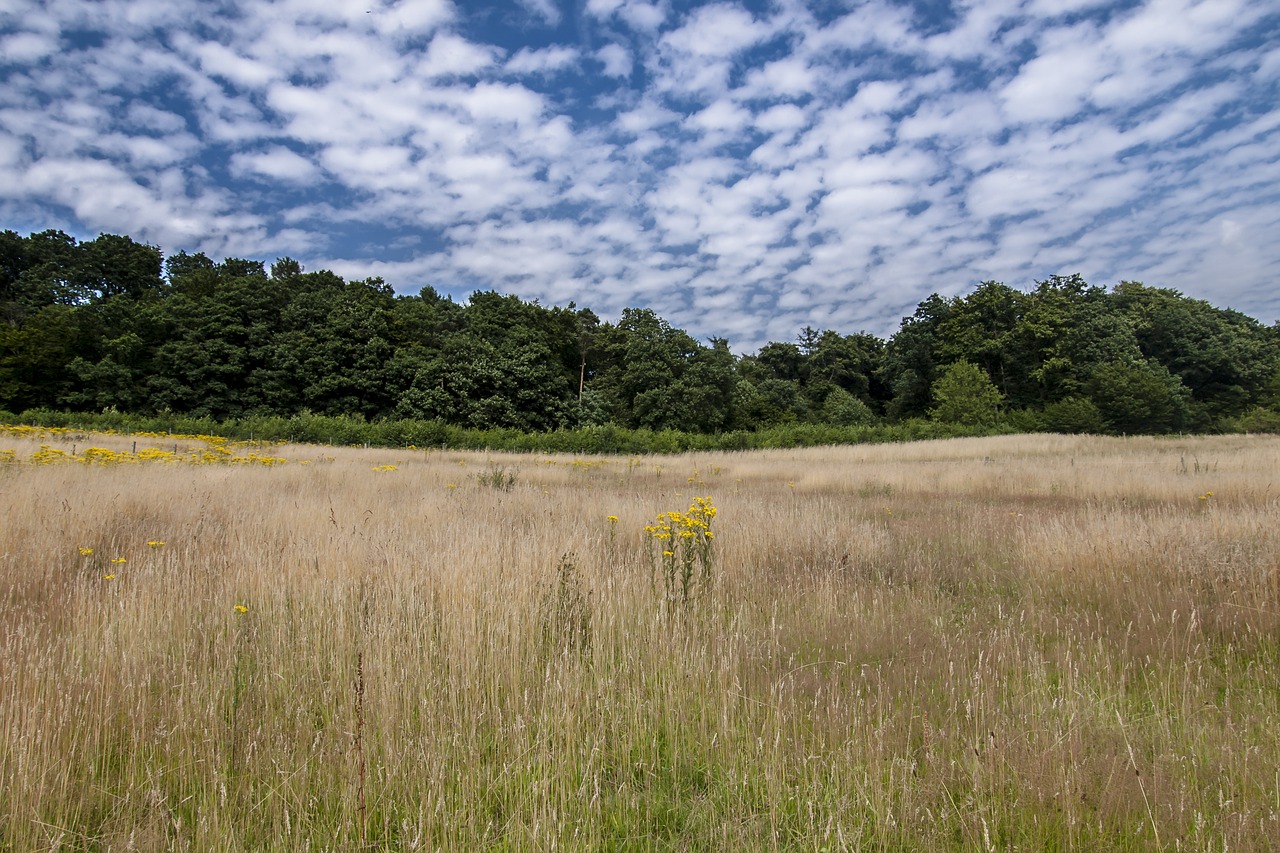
<point>240,608</point>
<point>86,552</point>
<point>119,561</point>
<point>108,577</point>
<point>155,543</point>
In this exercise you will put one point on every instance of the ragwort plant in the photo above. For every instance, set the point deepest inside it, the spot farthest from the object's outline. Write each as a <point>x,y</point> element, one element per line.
<point>685,541</point>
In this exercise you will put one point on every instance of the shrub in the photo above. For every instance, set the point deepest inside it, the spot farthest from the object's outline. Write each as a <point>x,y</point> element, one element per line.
<point>1072,415</point>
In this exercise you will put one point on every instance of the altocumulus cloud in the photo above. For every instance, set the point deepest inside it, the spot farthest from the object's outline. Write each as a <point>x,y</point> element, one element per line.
<point>744,168</point>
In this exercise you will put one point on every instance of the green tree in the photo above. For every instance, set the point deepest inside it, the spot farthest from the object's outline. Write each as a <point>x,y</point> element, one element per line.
<point>475,384</point>
<point>848,362</point>
<point>1051,335</point>
<point>1222,357</point>
<point>114,267</point>
<point>642,362</point>
<point>843,409</point>
<point>1139,397</point>
<point>910,359</point>
<point>43,269</point>
<point>218,326</point>
<point>1072,415</point>
<point>1095,336</point>
<point>783,361</point>
<point>983,328</point>
<point>964,394</point>
<point>36,357</point>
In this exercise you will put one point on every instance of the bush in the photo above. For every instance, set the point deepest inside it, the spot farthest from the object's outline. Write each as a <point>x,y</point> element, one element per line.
<point>964,394</point>
<point>843,409</point>
<point>1257,420</point>
<point>1140,397</point>
<point>310,428</point>
<point>1072,415</point>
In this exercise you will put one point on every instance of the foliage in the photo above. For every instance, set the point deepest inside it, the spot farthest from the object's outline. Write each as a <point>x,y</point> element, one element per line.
<point>1257,420</point>
<point>1072,415</point>
<point>1139,397</point>
<point>843,409</point>
<point>964,394</point>
<point>109,325</point>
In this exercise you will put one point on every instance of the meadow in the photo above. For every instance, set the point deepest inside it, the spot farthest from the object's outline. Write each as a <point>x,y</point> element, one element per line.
<point>1012,643</point>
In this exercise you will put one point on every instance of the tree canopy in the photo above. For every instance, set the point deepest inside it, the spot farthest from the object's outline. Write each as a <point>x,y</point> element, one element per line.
<point>110,324</point>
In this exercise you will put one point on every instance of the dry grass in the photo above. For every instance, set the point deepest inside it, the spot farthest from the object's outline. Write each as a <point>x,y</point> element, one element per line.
<point>1014,643</point>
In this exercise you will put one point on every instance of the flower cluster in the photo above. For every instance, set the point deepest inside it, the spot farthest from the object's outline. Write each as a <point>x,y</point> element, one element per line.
<point>694,524</point>
<point>217,450</point>
<point>685,539</point>
<point>24,431</point>
<point>215,455</point>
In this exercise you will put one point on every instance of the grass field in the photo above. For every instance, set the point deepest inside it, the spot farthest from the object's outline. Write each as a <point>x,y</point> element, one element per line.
<point>1030,643</point>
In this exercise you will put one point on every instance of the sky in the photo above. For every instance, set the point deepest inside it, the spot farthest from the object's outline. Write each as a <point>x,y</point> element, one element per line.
<point>743,168</point>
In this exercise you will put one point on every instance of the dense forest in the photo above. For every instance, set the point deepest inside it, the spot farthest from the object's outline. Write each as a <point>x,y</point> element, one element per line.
<point>111,325</point>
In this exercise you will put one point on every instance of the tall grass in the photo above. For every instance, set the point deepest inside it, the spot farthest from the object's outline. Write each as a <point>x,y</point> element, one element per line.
<point>995,643</point>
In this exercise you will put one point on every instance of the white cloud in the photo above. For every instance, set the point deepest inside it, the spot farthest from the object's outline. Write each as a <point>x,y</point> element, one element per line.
<point>12,158</point>
<point>790,77</point>
<point>1057,83</point>
<point>646,116</point>
<point>147,118</point>
<point>955,118</point>
<point>223,62</point>
<point>720,30</point>
<point>277,163</point>
<point>27,47</point>
<point>697,58</point>
<point>616,60</point>
<point>501,103</point>
<point>541,61</point>
<point>977,31</point>
<point>638,14</point>
<point>783,117</point>
<point>855,126</point>
<point>449,54</point>
<point>408,18</point>
<point>544,9</point>
<point>774,170</point>
<point>602,9</point>
<point>646,17</point>
<point>869,24</point>
<point>723,116</point>
<point>1269,65</point>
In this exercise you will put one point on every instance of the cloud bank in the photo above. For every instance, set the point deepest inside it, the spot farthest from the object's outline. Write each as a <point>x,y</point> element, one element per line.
<point>744,168</point>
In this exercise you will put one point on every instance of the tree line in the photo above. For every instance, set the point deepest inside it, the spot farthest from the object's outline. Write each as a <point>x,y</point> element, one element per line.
<point>112,325</point>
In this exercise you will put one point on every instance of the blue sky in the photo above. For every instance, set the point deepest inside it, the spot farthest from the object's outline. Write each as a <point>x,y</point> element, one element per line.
<point>743,168</point>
